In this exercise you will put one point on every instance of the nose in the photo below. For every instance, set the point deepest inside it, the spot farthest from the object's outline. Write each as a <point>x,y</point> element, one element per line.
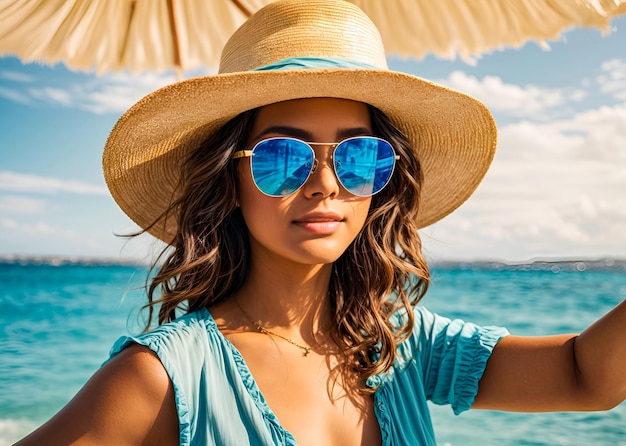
<point>322,182</point>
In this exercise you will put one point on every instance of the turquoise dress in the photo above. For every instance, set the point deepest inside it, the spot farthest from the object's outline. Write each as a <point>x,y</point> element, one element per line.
<point>219,403</point>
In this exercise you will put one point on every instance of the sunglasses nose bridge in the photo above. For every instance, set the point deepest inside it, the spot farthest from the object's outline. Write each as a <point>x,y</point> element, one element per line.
<point>332,146</point>
<point>323,175</point>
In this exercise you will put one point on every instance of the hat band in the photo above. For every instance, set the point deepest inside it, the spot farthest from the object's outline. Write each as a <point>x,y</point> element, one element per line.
<point>309,63</point>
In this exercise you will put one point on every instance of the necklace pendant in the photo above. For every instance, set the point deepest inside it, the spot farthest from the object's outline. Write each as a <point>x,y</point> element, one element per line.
<point>261,329</point>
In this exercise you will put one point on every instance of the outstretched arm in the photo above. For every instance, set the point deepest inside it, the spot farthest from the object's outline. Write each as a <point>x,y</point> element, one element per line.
<point>129,401</point>
<point>559,373</point>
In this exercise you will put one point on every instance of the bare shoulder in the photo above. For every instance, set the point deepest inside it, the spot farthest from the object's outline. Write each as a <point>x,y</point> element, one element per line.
<point>128,401</point>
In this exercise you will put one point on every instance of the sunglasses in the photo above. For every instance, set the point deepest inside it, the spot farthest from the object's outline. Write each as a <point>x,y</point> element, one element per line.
<point>280,166</point>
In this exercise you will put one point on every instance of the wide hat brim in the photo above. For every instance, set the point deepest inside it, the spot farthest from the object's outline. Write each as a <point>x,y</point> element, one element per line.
<point>454,134</point>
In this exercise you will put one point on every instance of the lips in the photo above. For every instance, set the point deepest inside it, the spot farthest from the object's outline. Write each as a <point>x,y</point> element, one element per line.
<point>320,223</point>
<point>320,218</point>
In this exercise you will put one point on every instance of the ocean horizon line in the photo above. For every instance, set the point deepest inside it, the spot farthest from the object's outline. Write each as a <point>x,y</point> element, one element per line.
<point>555,264</point>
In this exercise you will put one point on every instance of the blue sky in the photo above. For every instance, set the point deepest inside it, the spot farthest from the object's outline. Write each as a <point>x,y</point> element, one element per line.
<point>557,187</point>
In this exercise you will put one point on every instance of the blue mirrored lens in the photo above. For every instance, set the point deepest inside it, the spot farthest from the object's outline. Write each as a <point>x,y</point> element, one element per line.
<point>364,164</point>
<point>280,166</point>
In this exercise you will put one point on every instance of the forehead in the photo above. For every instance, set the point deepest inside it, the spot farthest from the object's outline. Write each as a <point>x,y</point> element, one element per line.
<point>315,115</point>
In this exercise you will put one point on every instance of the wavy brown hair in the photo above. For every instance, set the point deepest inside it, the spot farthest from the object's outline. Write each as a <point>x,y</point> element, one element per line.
<point>382,272</point>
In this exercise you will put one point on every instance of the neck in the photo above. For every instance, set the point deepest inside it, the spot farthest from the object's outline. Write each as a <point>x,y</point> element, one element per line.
<point>292,298</point>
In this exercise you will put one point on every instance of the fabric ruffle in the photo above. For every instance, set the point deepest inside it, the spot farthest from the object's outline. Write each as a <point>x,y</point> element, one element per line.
<point>453,355</point>
<point>279,434</point>
<point>219,402</point>
<point>155,344</point>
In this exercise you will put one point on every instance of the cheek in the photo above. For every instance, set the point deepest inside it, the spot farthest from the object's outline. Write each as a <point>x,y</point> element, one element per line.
<point>248,195</point>
<point>361,209</point>
<point>255,206</point>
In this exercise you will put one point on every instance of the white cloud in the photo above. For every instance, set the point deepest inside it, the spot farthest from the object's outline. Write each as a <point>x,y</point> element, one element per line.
<point>615,68</point>
<point>19,182</point>
<point>8,223</point>
<point>605,130</point>
<point>15,204</point>
<point>39,230</point>
<point>31,229</point>
<point>511,99</point>
<point>116,92</point>
<point>16,76</point>
<point>613,78</point>
<point>554,189</point>
<point>56,95</point>
<point>111,93</point>
<point>13,95</point>
<point>56,238</point>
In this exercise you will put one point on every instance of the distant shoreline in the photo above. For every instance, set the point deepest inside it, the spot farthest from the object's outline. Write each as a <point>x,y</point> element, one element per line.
<point>20,259</point>
<point>553,265</point>
<point>544,264</point>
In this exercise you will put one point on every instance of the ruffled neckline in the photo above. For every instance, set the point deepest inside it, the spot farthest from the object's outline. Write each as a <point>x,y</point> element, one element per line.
<point>278,431</point>
<point>273,423</point>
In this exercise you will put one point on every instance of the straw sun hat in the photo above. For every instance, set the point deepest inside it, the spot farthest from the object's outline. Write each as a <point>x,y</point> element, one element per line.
<point>294,49</point>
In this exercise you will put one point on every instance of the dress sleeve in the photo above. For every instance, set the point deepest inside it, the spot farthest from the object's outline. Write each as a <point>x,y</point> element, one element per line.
<point>453,356</point>
<point>170,346</point>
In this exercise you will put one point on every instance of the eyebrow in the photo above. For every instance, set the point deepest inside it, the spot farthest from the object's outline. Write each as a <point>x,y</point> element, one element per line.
<point>305,135</point>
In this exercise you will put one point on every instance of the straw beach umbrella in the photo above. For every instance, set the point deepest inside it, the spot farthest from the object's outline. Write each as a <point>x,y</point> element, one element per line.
<point>138,35</point>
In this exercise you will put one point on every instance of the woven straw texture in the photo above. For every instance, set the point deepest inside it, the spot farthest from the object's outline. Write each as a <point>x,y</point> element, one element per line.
<point>140,35</point>
<point>454,134</point>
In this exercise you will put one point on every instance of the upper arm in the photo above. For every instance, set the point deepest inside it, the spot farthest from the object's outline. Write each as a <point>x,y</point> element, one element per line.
<point>130,400</point>
<point>532,374</point>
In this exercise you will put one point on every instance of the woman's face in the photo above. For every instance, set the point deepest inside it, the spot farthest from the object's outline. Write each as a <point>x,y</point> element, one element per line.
<point>318,222</point>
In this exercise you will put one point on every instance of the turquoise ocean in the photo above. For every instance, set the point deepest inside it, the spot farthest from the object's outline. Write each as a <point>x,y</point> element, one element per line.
<point>58,322</point>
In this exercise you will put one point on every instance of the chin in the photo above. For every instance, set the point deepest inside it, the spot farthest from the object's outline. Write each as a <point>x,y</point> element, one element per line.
<point>321,257</point>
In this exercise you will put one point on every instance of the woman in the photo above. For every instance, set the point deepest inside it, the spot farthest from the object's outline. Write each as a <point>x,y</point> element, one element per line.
<point>290,188</point>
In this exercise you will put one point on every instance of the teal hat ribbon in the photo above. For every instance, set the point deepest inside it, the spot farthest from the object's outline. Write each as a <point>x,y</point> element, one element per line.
<point>308,63</point>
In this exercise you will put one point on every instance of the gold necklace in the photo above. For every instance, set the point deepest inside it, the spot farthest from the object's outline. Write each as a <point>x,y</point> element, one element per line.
<point>257,324</point>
